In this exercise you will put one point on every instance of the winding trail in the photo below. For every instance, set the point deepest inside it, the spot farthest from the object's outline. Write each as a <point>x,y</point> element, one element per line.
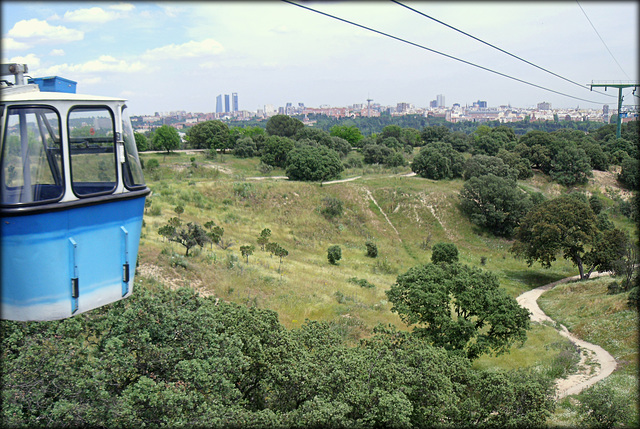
<point>596,362</point>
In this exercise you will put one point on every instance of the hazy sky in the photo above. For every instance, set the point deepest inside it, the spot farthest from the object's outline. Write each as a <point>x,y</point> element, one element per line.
<point>165,56</point>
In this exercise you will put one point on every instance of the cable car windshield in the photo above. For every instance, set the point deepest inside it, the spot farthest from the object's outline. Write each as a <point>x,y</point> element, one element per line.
<point>32,169</point>
<point>132,170</point>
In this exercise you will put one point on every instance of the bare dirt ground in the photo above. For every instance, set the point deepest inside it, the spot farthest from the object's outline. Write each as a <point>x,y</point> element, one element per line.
<point>595,364</point>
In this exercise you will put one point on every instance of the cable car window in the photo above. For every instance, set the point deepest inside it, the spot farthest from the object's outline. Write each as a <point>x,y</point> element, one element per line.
<point>31,156</point>
<point>132,170</point>
<point>92,149</point>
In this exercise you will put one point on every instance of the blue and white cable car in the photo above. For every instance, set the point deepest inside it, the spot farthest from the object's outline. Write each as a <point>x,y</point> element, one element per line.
<point>72,199</point>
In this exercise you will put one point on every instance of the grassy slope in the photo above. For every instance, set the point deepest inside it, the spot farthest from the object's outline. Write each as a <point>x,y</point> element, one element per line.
<point>423,212</point>
<point>589,313</point>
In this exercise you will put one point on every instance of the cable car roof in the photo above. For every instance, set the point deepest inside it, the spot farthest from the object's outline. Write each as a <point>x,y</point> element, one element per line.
<point>24,94</point>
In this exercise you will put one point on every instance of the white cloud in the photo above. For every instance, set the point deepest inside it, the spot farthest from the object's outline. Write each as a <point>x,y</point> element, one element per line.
<point>104,64</point>
<point>122,7</point>
<point>94,15</point>
<point>190,49</point>
<point>35,31</point>
<point>9,43</point>
<point>57,53</point>
<point>30,60</point>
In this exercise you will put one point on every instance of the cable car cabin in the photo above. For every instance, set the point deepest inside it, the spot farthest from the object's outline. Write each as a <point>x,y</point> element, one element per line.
<point>72,203</point>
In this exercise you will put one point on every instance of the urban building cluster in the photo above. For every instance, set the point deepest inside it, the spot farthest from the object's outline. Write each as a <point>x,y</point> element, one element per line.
<point>478,111</point>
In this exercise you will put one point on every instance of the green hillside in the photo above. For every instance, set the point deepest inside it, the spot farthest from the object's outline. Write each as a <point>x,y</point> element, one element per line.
<point>403,215</point>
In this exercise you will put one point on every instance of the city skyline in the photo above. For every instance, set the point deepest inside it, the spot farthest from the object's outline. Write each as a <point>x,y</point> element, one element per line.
<point>180,56</point>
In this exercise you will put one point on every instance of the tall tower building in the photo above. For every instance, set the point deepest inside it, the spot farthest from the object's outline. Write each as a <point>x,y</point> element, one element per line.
<point>226,103</point>
<point>440,100</point>
<point>219,104</point>
<point>234,101</point>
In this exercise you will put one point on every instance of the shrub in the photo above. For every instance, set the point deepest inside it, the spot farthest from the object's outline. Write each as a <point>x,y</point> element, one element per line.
<point>313,164</point>
<point>334,254</point>
<point>444,252</point>
<point>602,407</point>
<point>331,207</point>
<point>372,249</point>
<point>628,175</point>
<point>152,164</point>
<point>361,282</point>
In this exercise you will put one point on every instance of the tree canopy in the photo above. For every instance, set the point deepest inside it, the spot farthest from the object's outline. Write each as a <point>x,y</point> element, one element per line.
<point>172,358</point>
<point>484,318</point>
<point>438,161</point>
<point>283,126</point>
<point>565,225</point>
<point>167,138</point>
<point>209,135</point>
<point>313,164</point>
<point>494,203</point>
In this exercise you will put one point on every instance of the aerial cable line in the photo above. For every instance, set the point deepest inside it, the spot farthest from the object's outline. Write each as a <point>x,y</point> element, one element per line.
<point>437,52</point>
<point>499,49</point>
<point>605,45</point>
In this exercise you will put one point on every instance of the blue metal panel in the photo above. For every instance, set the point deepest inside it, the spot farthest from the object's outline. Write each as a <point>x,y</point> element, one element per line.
<point>37,268</point>
<point>54,84</point>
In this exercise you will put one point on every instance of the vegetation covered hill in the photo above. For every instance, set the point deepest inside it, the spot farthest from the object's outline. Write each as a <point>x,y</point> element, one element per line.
<point>290,334</point>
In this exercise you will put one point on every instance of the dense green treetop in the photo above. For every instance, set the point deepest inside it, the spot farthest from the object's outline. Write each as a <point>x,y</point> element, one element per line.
<point>283,126</point>
<point>275,151</point>
<point>438,161</point>
<point>565,225</point>
<point>484,318</point>
<point>209,134</point>
<point>167,138</point>
<point>495,203</point>
<point>172,358</point>
<point>314,164</point>
<point>350,133</point>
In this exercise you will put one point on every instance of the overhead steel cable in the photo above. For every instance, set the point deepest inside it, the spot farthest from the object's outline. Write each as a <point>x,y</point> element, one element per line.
<point>437,52</point>
<point>499,49</point>
<point>600,37</point>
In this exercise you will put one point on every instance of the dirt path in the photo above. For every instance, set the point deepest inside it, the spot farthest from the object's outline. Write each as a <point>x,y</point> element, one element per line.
<point>383,213</point>
<point>341,180</point>
<point>596,363</point>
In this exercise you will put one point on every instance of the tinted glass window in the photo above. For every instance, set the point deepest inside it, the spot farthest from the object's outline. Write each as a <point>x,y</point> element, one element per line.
<point>92,149</point>
<point>31,156</point>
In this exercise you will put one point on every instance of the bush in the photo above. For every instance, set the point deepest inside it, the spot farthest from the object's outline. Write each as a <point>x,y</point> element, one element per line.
<point>602,407</point>
<point>372,249</point>
<point>152,164</point>
<point>444,252</point>
<point>629,176</point>
<point>438,161</point>
<point>331,208</point>
<point>313,164</point>
<point>245,148</point>
<point>361,282</point>
<point>334,254</point>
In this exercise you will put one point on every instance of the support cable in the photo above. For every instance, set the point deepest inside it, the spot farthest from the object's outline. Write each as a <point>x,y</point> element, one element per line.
<point>605,45</point>
<point>438,52</point>
<point>499,49</point>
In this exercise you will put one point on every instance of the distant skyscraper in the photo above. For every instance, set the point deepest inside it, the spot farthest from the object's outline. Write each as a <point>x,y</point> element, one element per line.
<point>440,100</point>
<point>234,101</point>
<point>226,103</point>
<point>219,104</point>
